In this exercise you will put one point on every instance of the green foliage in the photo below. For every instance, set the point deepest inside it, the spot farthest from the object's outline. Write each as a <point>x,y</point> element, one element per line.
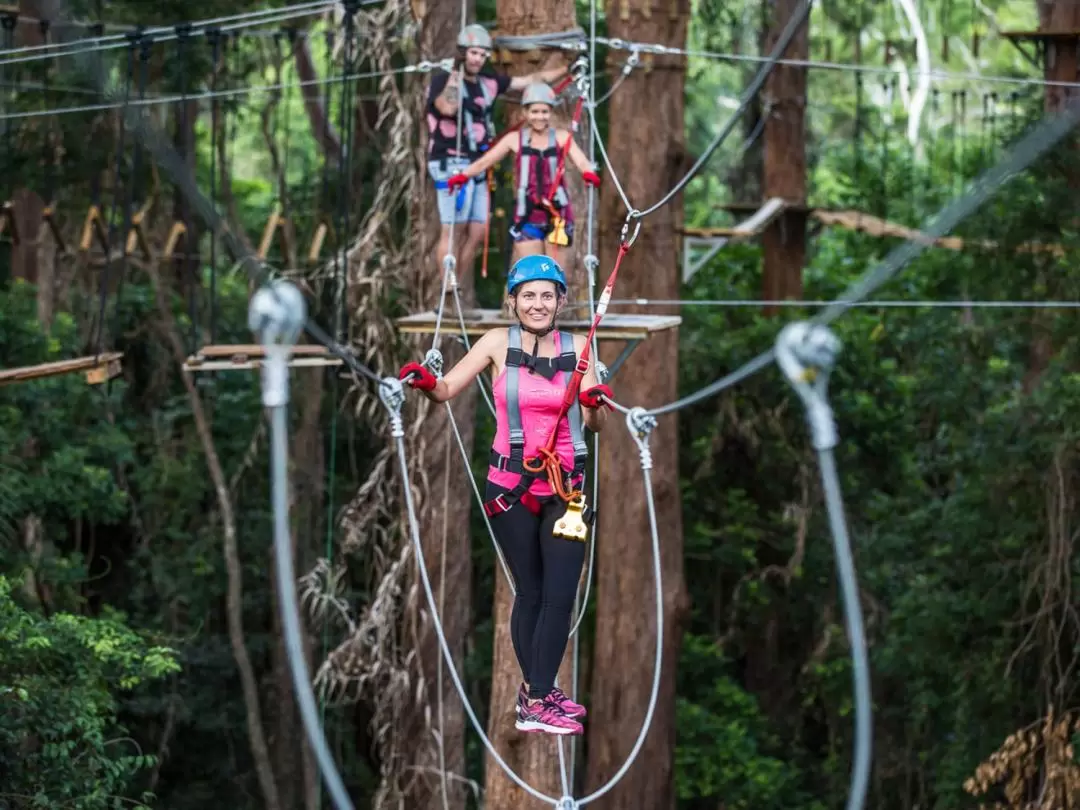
<point>61,677</point>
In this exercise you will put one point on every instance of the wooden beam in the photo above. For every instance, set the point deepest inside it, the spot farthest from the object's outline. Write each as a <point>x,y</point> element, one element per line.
<point>251,356</point>
<point>48,218</point>
<point>614,326</point>
<point>178,232</point>
<point>93,226</point>
<point>136,237</point>
<point>274,225</point>
<point>98,368</point>
<point>317,242</point>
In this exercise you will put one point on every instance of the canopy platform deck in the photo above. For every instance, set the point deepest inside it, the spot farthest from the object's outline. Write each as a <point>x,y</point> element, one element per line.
<point>251,356</point>
<point>98,369</point>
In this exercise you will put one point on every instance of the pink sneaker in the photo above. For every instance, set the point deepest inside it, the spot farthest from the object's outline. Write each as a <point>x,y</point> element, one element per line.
<point>575,711</point>
<point>546,716</point>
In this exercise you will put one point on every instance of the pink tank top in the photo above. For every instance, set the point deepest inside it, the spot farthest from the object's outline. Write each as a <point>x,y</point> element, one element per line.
<point>539,401</point>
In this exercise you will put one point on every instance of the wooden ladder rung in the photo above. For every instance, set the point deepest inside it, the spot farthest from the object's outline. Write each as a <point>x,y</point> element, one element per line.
<point>94,227</point>
<point>274,225</point>
<point>178,232</point>
<point>317,243</point>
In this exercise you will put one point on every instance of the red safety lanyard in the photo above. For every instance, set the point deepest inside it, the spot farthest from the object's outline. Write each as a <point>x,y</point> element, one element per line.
<point>546,458</point>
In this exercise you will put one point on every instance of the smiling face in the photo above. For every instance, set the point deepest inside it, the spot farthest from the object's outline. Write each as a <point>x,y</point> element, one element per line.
<point>538,116</point>
<point>537,303</point>
<point>474,60</point>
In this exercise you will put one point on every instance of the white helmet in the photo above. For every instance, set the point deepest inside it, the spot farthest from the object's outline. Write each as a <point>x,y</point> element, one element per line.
<point>538,93</point>
<point>474,36</point>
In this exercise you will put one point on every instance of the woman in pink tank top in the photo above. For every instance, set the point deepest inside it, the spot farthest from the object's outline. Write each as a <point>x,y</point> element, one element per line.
<point>533,364</point>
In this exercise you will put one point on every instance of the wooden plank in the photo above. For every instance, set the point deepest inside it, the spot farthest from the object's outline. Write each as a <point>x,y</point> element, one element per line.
<point>251,356</point>
<point>255,363</point>
<point>614,326</point>
<point>257,350</point>
<point>99,369</point>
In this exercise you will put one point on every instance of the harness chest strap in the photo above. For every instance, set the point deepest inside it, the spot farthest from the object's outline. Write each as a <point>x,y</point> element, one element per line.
<point>515,461</point>
<point>524,203</point>
<point>469,120</point>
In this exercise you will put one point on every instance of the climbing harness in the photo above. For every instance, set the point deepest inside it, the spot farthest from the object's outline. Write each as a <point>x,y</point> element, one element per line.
<point>516,359</point>
<point>529,184</point>
<point>571,527</point>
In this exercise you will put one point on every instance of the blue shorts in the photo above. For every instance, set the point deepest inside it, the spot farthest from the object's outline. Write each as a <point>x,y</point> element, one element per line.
<point>532,232</point>
<point>469,203</point>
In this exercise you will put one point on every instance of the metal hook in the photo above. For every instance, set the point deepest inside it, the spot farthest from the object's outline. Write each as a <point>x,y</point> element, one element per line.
<point>634,213</point>
<point>433,362</point>
<point>641,424</point>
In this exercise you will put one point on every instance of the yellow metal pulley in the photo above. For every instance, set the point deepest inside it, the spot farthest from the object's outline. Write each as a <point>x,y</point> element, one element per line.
<point>572,526</point>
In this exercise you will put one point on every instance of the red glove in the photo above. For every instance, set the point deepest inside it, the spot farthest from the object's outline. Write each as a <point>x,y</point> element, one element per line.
<point>591,397</point>
<point>421,378</point>
<point>592,178</point>
<point>456,182</point>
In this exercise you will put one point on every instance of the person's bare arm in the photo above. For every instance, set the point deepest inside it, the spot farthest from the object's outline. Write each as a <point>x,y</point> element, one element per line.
<point>466,370</point>
<point>548,76</point>
<point>594,418</point>
<point>578,157</point>
<point>447,101</point>
<point>490,157</point>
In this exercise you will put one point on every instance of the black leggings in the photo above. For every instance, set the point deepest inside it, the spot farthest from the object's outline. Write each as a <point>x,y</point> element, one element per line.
<point>546,570</point>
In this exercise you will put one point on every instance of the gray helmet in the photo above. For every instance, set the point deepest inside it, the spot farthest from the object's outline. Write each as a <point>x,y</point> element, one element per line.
<point>474,36</point>
<point>538,93</point>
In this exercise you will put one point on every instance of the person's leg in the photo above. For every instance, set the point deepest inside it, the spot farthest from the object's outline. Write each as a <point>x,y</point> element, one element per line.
<point>516,533</point>
<point>476,230</point>
<point>446,205</point>
<point>561,564</point>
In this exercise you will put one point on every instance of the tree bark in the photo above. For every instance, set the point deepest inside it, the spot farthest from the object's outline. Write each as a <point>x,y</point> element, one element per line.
<point>1061,65</point>
<point>784,241</point>
<point>260,751</point>
<point>444,531</point>
<point>647,152</point>
<point>534,757</point>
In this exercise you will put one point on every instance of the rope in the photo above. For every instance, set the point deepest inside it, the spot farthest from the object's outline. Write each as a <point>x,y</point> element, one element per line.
<point>165,155</point>
<point>940,75</point>
<point>868,304</point>
<point>795,22</point>
<point>392,395</point>
<point>1029,149</point>
<point>33,53</point>
<point>531,42</point>
<point>419,67</point>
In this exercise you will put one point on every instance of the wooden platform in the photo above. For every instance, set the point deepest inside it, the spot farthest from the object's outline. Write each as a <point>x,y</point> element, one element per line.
<point>98,369</point>
<point>250,356</point>
<point>614,326</point>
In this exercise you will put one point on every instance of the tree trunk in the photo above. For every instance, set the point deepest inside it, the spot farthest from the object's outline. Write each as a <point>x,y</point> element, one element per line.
<point>534,757</point>
<point>784,241</point>
<point>1061,65</point>
<point>647,152</point>
<point>444,532</point>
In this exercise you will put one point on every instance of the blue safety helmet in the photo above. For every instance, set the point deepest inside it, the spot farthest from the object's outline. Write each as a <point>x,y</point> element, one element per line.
<point>535,268</point>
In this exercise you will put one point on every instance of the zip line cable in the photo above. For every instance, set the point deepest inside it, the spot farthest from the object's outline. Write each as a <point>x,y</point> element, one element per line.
<point>34,53</point>
<point>418,67</point>
<point>866,304</point>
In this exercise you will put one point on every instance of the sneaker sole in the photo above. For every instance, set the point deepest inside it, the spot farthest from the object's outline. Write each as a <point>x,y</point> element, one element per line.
<point>529,726</point>
<point>571,716</point>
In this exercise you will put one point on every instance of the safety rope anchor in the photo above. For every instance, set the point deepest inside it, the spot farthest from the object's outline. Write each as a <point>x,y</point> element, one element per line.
<point>433,362</point>
<point>567,803</point>
<point>277,314</point>
<point>592,264</point>
<point>641,424</point>
<point>806,353</point>
<point>392,394</point>
<point>630,217</point>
